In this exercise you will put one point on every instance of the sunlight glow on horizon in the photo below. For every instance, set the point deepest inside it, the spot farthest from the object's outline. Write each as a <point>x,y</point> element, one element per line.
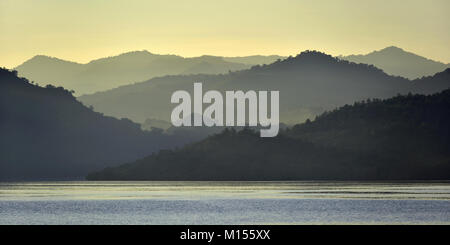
<point>84,30</point>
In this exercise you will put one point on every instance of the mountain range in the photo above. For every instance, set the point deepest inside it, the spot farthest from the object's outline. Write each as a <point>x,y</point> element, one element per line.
<point>47,133</point>
<point>127,68</point>
<point>107,73</point>
<point>309,84</point>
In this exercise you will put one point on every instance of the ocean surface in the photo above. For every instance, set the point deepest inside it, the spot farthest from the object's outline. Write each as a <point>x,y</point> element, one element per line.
<point>155,202</point>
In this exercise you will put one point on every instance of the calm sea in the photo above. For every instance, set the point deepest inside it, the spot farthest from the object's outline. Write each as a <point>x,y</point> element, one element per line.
<point>153,202</point>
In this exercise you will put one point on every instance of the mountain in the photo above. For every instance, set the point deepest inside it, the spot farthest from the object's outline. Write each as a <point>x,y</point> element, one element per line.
<point>110,72</point>
<point>398,62</point>
<point>309,84</point>
<point>402,138</point>
<point>43,69</point>
<point>47,134</point>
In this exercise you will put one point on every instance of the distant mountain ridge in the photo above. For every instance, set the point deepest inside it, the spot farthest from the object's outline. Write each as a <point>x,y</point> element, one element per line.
<point>114,71</point>
<point>398,62</point>
<point>309,84</point>
<point>110,72</point>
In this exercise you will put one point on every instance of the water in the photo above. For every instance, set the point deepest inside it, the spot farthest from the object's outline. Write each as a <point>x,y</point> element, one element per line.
<point>85,202</point>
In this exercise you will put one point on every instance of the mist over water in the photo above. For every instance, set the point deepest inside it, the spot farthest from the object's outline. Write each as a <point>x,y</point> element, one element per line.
<point>156,202</point>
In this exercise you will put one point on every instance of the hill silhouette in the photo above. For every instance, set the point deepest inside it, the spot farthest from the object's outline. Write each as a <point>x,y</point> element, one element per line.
<point>309,84</point>
<point>110,72</point>
<point>398,62</point>
<point>47,134</point>
<point>402,138</point>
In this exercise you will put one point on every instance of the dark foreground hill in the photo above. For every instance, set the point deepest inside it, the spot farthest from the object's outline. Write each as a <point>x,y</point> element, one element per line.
<point>45,133</point>
<point>402,138</point>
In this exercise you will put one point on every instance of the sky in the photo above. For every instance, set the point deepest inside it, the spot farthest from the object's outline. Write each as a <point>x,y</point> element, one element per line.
<point>82,30</point>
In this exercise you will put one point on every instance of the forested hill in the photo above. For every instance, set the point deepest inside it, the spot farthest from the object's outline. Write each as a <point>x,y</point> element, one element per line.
<point>410,115</point>
<point>47,134</point>
<point>402,138</point>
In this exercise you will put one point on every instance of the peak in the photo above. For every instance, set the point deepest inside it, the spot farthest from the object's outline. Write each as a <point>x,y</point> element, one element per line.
<point>40,56</point>
<point>138,52</point>
<point>44,59</point>
<point>393,51</point>
<point>135,53</point>
<point>398,52</point>
<point>313,54</point>
<point>304,59</point>
<point>393,48</point>
<point>210,58</point>
<point>315,60</point>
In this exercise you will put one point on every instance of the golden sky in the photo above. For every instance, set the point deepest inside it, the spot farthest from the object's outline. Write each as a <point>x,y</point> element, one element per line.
<point>82,30</point>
